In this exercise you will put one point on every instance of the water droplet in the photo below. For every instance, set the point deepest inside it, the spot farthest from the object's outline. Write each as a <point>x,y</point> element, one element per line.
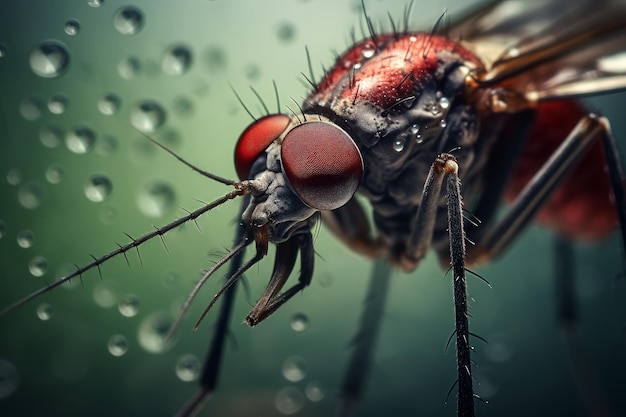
<point>38,266</point>
<point>415,129</point>
<point>314,391</point>
<point>25,239</point>
<point>118,345</point>
<point>147,116</point>
<point>44,311</point>
<point>104,294</point>
<point>128,20</point>
<point>95,3</point>
<point>215,58</point>
<point>3,229</point>
<point>289,400</point>
<point>188,368</point>
<point>368,51</point>
<point>129,305</point>
<point>3,50</point>
<point>398,145</point>
<point>80,139</point>
<point>9,379</point>
<point>31,108</point>
<point>54,174</point>
<point>14,176</point>
<point>294,369</point>
<point>49,59</point>
<point>51,136</point>
<point>444,103</point>
<point>109,104</point>
<point>72,27</point>
<point>107,145</point>
<point>129,68</point>
<point>57,104</point>
<point>98,188</point>
<point>155,198</point>
<point>29,195</point>
<point>299,322</point>
<point>286,32</point>
<point>152,331</point>
<point>443,123</point>
<point>177,60</point>
<point>182,106</point>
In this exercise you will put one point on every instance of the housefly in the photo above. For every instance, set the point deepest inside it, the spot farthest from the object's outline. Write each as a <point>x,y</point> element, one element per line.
<point>400,133</point>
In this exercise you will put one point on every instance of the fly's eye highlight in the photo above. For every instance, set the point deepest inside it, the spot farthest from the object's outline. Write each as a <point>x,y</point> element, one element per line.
<point>255,139</point>
<point>322,164</point>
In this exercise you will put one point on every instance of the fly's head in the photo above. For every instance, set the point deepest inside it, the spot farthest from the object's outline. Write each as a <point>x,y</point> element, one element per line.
<point>294,169</point>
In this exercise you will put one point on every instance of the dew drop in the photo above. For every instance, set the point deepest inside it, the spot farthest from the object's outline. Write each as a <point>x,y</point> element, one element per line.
<point>31,108</point>
<point>299,322</point>
<point>128,21</point>
<point>444,103</point>
<point>14,176</point>
<point>72,27</point>
<point>44,311</point>
<point>109,104</point>
<point>289,400</point>
<point>147,116</point>
<point>9,379</point>
<point>177,60</point>
<point>286,32</point>
<point>54,174</point>
<point>398,145</point>
<point>294,369</point>
<point>38,266</point>
<point>314,391</point>
<point>49,59</point>
<point>443,123</point>
<point>57,104</point>
<point>51,136</point>
<point>129,305</point>
<point>29,195</point>
<point>80,139</point>
<point>104,294</point>
<point>3,50</point>
<point>188,368</point>
<point>95,3</point>
<point>118,345</point>
<point>415,129</point>
<point>155,199</point>
<point>368,51</point>
<point>129,68</point>
<point>98,188</point>
<point>107,145</point>
<point>182,106</point>
<point>25,239</point>
<point>152,332</point>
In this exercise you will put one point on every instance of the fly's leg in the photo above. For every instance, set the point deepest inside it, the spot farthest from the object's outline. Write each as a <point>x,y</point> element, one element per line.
<point>213,361</point>
<point>567,315</point>
<point>528,203</point>
<point>364,341</point>
<point>547,179</point>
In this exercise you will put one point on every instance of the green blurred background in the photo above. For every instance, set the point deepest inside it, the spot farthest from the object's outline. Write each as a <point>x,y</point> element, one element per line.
<point>67,140</point>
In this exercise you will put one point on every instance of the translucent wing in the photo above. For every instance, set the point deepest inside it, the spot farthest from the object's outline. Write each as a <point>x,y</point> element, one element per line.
<point>554,49</point>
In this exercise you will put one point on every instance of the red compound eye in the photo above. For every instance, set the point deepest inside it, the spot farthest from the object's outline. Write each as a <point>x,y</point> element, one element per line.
<point>255,139</point>
<point>322,164</point>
